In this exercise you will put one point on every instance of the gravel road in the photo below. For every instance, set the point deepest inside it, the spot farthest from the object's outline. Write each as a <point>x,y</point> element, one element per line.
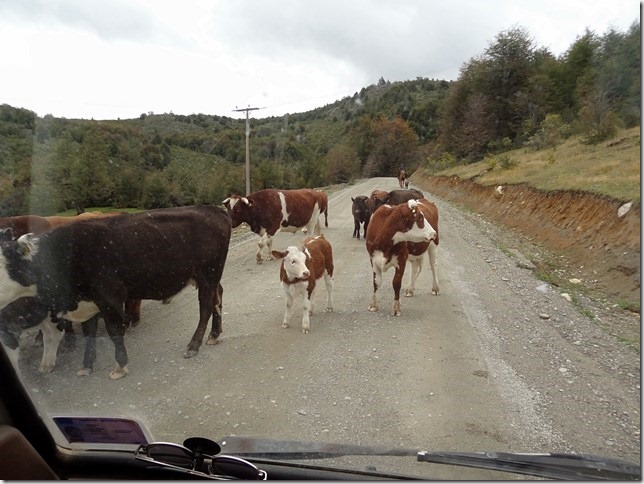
<point>498,361</point>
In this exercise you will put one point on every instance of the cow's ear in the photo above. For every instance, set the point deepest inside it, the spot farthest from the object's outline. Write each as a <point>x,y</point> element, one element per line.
<point>6,234</point>
<point>226,202</point>
<point>279,254</point>
<point>247,201</point>
<point>27,245</point>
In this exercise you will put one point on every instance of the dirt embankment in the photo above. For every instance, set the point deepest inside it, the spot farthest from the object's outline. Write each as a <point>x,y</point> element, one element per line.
<point>586,237</point>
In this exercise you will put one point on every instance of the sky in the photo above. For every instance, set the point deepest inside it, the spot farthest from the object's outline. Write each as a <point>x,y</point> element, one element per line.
<point>111,59</point>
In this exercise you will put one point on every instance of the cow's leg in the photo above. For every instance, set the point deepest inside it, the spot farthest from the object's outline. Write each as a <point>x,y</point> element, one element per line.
<point>416,267</point>
<point>216,330</point>
<point>433,248</point>
<point>328,281</point>
<point>397,283</point>
<point>377,280</point>
<point>116,329</point>
<point>207,297</point>
<point>364,228</point>
<point>306,311</point>
<point>288,305</point>
<point>51,337</point>
<point>356,228</point>
<point>133,311</point>
<point>90,329</point>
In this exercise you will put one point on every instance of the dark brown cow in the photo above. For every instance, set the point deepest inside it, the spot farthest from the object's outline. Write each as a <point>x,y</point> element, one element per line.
<point>394,197</point>
<point>390,228</point>
<point>417,249</point>
<point>361,210</point>
<point>269,211</point>
<point>103,262</point>
<point>402,177</point>
<point>300,269</point>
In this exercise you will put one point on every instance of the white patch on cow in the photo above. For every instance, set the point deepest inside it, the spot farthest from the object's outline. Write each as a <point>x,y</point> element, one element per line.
<point>416,234</point>
<point>284,210</point>
<point>84,311</point>
<point>28,245</point>
<point>11,290</point>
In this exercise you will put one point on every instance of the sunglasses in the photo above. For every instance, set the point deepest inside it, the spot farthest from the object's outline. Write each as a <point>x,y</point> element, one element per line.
<point>177,456</point>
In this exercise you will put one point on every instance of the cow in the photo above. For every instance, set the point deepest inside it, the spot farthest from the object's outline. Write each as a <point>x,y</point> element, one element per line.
<point>100,263</point>
<point>402,177</point>
<point>390,228</point>
<point>300,269</point>
<point>417,249</point>
<point>394,197</point>
<point>268,211</point>
<point>36,224</point>
<point>361,210</point>
<point>323,206</point>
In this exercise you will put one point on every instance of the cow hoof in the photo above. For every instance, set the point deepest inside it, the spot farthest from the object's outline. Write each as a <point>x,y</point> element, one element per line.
<point>190,353</point>
<point>284,325</point>
<point>118,372</point>
<point>84,372</point>
<point>305,330</point>
<point>395,313</point>
<point>212,340</point>
<point>409,293</point>
<point>373,309</point>
<point>45,369</point>
<point>435,292</point>
<point>329,310</point>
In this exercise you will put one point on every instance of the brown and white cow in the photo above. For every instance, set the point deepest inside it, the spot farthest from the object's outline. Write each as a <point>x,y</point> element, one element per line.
<point>361,210</point>
<point>300,270</point>
<point>103,262</point>
<point>390,228</point>
<point>394,197</point>
<point>417,250</point>
<point>268,211</point>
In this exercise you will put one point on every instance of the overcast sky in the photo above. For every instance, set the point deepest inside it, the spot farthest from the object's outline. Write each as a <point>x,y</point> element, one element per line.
<point>112,59</point>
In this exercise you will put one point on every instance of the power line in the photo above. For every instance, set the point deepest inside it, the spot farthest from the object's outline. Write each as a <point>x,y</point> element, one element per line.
<point>247,146</point>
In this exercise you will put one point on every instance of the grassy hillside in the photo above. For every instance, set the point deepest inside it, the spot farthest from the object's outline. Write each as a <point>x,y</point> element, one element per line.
<point>611,168</point>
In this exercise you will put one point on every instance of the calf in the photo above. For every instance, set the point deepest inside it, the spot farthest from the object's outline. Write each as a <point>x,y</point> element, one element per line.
<point>299,272</point>
<point>394,197</point>
<point>417,250</point>
<point>361,209</point>
<point>103,262</point>
<point>269,211</point>
<point>390,228</point>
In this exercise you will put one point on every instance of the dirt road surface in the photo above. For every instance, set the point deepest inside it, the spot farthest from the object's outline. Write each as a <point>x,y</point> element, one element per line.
<point>498,361</point>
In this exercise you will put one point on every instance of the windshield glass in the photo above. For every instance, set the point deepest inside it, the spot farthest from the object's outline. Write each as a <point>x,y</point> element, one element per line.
<point>473,170</point>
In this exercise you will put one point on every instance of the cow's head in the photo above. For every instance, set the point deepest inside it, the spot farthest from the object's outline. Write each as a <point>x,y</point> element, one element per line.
<point>294,262</point>
<point>239,209</point>
<point>378,198</point>
<point>16,272</point>
<point>416,227</point>
<point>361,206</point>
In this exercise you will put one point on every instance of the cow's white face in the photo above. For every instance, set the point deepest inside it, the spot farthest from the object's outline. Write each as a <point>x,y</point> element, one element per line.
<point>295,263</point>
<point>10,290</point>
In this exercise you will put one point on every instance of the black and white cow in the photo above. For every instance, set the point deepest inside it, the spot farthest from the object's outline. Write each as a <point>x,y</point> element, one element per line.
<point>104,262</point>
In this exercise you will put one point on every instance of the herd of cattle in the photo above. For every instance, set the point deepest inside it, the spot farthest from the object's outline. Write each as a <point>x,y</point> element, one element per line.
<point>59,270</point>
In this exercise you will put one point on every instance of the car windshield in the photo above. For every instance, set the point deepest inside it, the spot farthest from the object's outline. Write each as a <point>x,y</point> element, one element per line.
<point>332,233</point>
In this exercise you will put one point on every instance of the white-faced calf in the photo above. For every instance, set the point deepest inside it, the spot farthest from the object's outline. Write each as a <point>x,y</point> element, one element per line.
<point>300,269</point>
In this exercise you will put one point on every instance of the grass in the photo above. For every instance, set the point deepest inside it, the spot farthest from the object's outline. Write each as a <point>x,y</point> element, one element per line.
<point>611,168</point>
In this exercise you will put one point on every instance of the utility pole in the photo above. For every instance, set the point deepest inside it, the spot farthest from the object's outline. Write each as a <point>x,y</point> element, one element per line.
<point>247,147</point>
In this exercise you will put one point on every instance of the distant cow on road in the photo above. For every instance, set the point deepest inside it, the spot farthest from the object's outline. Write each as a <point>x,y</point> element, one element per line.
<point>268,211</point>
<point>103,262</point>
<point>394,197</point>
<point>361,210</point>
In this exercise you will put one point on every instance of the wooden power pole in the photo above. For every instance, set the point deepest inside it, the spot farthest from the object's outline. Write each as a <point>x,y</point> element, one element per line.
<point>247,147</point>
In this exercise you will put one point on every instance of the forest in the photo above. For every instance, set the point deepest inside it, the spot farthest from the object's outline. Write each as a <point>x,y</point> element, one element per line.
<point>514,94</point>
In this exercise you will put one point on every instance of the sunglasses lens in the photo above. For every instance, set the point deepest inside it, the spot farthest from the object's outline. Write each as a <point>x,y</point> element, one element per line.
<point>168,454</point>
<point>224,466</point>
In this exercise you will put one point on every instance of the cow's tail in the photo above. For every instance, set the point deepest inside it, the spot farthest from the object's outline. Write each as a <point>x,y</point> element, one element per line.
<point>326,216</point>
